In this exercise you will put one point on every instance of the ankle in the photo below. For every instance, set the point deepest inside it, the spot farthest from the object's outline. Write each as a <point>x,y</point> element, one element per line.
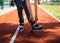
<point>22,24</point>
<point>32,23</point>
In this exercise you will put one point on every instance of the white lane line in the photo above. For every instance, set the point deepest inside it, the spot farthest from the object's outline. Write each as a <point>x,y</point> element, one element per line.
<point>49,13</point>
<point>15,34</point>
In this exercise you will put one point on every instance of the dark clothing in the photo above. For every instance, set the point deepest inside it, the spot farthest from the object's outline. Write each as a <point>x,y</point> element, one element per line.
<point>20,6</point>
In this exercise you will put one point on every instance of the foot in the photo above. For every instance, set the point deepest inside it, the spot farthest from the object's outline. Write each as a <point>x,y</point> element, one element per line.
<point>21,28</point>
<point>36,27</point>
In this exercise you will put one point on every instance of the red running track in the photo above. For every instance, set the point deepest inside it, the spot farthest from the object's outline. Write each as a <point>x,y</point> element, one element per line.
<point>9,23</point>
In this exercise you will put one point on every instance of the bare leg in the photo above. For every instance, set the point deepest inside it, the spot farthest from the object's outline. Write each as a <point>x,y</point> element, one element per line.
<point>29,7</point>
<point>35,27</point>
<point>35,5</point>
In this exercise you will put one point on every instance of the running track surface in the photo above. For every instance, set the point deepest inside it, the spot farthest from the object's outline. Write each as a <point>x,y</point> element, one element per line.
<point>9,23</point>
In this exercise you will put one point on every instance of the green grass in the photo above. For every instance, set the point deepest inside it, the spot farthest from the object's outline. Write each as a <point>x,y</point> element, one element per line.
<point>54,9</point>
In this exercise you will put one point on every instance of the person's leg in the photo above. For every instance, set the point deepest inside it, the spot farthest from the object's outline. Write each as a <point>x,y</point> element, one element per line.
<point>35,7</point>
<point>19,9</point>
<point>27,12</point>
<point>35,26</point>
